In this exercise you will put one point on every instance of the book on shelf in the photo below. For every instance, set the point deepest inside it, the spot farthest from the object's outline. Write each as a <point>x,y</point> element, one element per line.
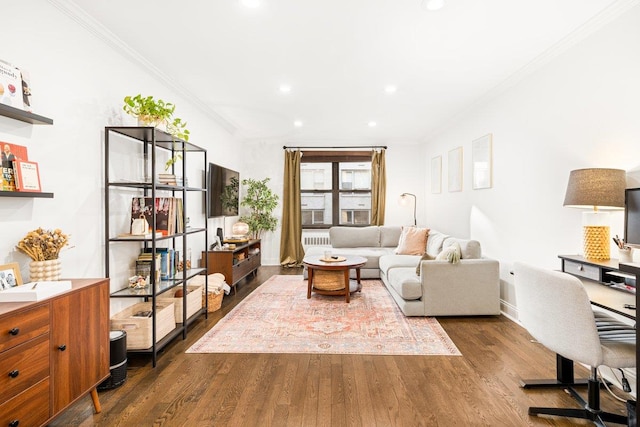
<point>10,153</point>
<point>26,176</point>
<point>138,236</point>
<point>143,265</point>
<point>166,259</point>
<point>165,211</point>
<point>10,86</point>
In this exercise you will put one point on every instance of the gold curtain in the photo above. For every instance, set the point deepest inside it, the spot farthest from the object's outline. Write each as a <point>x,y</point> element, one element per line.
<point>291,250</point>
<point>378,187</point>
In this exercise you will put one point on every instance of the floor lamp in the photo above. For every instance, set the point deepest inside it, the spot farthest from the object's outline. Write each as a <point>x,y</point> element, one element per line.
<point>597,189</point>
<point>404,201</point>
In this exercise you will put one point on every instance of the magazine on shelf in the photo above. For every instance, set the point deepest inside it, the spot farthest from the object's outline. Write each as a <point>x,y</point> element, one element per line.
<point>10,153</point>
<point>10,86</point>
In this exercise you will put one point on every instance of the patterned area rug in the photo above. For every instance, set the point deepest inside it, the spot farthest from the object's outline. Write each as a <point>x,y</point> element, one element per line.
<point>278,318</point>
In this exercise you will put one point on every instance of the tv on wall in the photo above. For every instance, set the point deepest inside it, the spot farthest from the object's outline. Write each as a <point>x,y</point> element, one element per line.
<point>632,217</point>
<point>223,191</point>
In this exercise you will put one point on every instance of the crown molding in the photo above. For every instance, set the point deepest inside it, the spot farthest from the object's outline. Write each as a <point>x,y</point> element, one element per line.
<point>591,26</point>
<point>85,20</point>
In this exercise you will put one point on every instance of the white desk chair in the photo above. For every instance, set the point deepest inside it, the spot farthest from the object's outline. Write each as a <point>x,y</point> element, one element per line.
<point>555,309</point>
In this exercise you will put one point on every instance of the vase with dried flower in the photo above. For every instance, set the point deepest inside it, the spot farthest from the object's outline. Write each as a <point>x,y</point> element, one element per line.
<point>43,247</point>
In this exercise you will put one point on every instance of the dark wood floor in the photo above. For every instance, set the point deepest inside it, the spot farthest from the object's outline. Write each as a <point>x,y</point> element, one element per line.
<point>481,388</point>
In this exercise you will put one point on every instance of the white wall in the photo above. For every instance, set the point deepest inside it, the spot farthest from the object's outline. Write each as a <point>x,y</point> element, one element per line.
<point>579,110</point>
<point>79,81</point>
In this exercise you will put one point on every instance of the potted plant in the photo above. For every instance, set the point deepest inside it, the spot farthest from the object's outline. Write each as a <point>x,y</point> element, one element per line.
<point>156,112</point>
<point>261,202</point>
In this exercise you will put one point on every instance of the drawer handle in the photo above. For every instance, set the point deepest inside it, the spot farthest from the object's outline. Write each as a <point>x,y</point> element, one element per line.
<point>14,423</point>
<point>14,331</point>
<point>62,347</point>
<point>14,373</point>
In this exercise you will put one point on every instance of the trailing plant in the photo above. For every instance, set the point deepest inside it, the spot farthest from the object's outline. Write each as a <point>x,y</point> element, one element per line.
<point>261,202</point>
<point>156,112</point>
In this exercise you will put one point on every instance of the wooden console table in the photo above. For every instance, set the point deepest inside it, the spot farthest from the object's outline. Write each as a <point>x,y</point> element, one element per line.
<point>55,351</point>
<point>235,264</point>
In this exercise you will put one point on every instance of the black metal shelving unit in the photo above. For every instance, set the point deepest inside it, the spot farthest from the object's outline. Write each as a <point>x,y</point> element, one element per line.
<point>153,140</point>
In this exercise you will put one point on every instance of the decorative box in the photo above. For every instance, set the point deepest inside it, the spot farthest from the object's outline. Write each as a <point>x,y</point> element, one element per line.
<point>194,301</point>
<point>138,325</point>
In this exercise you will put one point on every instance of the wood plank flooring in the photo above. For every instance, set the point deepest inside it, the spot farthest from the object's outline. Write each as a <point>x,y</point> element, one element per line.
<point>480,388</point>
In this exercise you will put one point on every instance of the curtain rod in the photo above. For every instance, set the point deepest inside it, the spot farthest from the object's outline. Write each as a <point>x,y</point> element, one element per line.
<point>347,146</point>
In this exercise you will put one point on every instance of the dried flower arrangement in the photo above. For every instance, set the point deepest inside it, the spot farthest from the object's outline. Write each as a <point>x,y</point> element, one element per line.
<point>43,245</point>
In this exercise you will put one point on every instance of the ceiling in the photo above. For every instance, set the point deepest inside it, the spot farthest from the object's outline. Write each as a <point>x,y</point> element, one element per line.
<point>338,56</point>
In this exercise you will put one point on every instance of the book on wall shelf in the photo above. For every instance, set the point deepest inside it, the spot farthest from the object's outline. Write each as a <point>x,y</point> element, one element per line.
<point>10,86</point>
<point>27,176</point>
<point>10,153</point>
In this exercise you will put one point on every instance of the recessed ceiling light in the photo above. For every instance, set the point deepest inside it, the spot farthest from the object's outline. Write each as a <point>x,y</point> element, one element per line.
<point>251,3</point>
<point>297,124</point>
<point>390,89</point>
<point>432,4</point>
<point>372,124</point>
<point>285,88</point>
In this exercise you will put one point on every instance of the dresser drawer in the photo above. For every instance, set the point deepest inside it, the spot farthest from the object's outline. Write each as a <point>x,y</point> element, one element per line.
<point>29,408</point>
<point>583,270</point>
<point>23,366</point>
<point>23,326</point>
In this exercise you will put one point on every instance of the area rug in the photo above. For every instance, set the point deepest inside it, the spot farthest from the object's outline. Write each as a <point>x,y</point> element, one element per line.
<point>278,318</point>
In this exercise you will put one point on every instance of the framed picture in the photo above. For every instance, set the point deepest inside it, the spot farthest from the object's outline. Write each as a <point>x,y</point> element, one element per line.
<point>436,174</point>
<point>455,170</point>
<point>10,276</point>
<point>481,158</point>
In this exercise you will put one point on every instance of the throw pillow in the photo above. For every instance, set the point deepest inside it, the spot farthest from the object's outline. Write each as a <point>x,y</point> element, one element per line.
<point>425,257</point>
<point>413,241</point>
<point>450,253</point>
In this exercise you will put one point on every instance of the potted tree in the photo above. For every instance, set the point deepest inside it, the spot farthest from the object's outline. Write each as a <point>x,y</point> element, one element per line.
<point>157,113</point>
<point>261,202</point>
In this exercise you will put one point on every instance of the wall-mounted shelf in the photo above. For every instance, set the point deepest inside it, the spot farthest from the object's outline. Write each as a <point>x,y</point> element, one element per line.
<point>26,194</point>
<point>24,116</point>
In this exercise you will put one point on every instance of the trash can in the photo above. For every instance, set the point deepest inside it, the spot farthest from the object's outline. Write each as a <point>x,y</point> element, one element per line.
<point>117,360</point>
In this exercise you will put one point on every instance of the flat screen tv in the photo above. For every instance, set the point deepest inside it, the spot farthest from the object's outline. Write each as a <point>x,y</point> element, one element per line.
<point>223,191</point>
<point>632,217</point>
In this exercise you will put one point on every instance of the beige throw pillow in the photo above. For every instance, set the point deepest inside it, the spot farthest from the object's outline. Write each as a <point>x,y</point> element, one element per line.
<point>413,241</point>
<point>451,253</point>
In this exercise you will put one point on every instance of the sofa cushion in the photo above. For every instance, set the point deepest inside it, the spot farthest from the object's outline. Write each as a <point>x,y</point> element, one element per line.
<point>469,249</point>
<point>389,236</point>
<point>435,241</point>
<point>413,241</point>
<point>387,262</point>
<point>405,282</point>
<point>353,237</point>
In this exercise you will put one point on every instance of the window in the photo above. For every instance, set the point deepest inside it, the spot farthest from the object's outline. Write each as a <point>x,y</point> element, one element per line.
<point>335,189</point>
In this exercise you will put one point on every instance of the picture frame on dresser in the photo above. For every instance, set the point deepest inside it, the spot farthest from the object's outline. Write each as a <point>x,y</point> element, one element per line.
<point>10,276</point>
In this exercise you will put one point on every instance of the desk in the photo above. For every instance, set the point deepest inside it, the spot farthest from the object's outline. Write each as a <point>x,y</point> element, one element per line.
<point>634,268</point>
<point>600,295</point>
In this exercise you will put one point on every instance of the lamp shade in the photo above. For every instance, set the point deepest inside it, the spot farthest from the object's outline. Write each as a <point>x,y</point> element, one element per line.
<point>596,188</point>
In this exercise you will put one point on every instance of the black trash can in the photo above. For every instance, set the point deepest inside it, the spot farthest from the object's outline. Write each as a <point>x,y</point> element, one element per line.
<point>117,360</point>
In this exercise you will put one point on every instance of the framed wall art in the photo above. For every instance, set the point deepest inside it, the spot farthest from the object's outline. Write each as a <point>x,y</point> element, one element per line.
<point>455,170</point>
<point>481,158</point>
<point>10,276</point>
<point>436,174</point>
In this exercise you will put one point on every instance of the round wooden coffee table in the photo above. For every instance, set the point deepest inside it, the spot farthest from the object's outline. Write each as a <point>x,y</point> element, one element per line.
<point>341,264</point>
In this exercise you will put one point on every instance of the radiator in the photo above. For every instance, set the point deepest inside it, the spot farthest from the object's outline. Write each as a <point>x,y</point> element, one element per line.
<point>320,240</point>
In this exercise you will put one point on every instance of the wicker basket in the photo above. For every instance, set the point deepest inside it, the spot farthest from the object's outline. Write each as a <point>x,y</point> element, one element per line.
<point>215,301</point>
<point>328,280</point>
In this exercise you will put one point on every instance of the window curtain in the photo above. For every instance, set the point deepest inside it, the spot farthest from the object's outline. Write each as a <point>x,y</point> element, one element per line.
<point>291,250</point>
<point>378,186</point>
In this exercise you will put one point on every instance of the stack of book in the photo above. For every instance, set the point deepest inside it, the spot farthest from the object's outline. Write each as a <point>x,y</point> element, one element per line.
<point>143,265</point>
<point>167,179</point>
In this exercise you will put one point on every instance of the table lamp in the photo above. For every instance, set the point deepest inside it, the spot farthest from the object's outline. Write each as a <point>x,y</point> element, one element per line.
<point>239,230</point>
<point>599,189</point>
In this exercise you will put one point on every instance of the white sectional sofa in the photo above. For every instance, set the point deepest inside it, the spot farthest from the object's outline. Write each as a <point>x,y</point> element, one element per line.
<point>469,287</point>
